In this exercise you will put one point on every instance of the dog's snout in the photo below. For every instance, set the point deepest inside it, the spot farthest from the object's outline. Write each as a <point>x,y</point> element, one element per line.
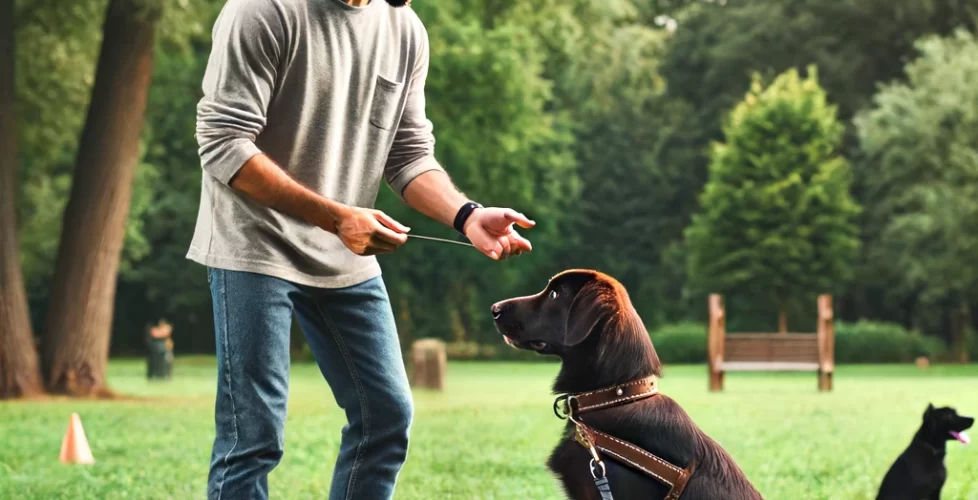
<point>497,310</point>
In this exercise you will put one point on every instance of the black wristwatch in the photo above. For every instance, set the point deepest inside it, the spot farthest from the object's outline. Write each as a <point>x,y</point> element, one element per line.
<point>463,215</point>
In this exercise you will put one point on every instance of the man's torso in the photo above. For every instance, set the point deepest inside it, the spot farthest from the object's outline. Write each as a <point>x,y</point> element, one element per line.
<point>339,93</point>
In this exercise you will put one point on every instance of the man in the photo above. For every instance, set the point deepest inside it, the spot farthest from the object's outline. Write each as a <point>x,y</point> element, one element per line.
<point>308,106</point>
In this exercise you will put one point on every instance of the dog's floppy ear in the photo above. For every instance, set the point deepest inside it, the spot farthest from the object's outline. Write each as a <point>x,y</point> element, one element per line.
<point>586,312</point>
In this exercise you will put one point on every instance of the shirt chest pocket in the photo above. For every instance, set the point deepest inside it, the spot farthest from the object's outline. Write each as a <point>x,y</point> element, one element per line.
<point>385,103</point>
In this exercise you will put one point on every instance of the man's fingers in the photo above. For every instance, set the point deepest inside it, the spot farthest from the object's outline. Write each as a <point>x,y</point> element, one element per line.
<point>379,247</point>
<point>518,218</point>
<point>494,251</point>
<point>384,234</point>
<point>520,242</point>
<point>377,251</point>
<point>506,249</point>
<point>388,221</point>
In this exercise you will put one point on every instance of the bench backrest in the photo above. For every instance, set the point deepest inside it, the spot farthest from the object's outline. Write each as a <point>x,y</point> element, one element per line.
<point>791,347</point>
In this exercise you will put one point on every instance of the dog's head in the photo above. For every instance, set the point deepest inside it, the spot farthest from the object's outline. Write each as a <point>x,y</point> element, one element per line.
<point>944,423</point>
<point>587,319</point>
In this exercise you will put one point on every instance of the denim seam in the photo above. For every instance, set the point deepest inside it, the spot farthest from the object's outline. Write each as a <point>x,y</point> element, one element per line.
<point>227,364</point>
<point>361,396</point>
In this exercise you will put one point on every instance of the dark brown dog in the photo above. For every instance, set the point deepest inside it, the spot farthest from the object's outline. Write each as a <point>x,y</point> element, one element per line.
<point>586,318</point>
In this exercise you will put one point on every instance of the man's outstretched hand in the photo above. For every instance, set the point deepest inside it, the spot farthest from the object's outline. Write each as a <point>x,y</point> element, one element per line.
<point>491,230</point>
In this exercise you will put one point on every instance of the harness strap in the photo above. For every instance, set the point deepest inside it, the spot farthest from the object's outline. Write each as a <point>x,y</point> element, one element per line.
<point>625,452</point>
<point>571,406</point>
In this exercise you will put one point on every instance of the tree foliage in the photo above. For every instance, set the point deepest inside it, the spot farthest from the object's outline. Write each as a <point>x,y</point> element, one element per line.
<point>595,119</point>
<point>921,165</point>
<point>776,221</point>
<point>501,147</point>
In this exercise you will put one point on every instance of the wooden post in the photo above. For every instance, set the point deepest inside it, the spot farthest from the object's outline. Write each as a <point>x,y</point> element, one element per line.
<point>159,358</point>
<point>430,363</point>
<point>826,343</point>
<point>716,332</point>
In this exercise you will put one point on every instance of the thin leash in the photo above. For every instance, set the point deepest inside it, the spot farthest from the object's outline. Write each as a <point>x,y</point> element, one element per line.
<point>442,240</point>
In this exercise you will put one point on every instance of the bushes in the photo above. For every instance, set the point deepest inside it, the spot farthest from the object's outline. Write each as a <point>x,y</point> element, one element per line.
<point>681,343</point>
<point>472,351</point>
<point>685,343</point>
<point>872,342</point>
<point>859,342</point>
<point>458,351</point>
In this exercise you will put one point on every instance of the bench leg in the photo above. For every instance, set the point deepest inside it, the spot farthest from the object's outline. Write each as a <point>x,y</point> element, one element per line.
<point>824,381</point>
<point>716,381</point>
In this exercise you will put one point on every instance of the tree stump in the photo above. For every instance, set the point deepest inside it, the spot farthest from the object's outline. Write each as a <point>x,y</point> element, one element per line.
<point>430,364</point>
<point>922,362</point>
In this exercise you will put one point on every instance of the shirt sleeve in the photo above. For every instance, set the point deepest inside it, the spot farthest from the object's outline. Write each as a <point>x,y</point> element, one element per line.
<point>238,84</point>
<point>413,150</point>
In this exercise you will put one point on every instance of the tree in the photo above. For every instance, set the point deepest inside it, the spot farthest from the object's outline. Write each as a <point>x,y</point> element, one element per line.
<point>777,219</point>
<point>921,169</point>
<point>20,373</point>
<point>487,102</point>
<point>626,142</point>
<point>718,47</point>
<point>163,281</point>
<point>77,329</point>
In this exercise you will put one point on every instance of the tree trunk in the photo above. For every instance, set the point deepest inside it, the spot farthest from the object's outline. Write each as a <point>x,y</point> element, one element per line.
<point>20,373</point>
<point>782,319</point>
<point>960,324</point>
<point>456,320</point>
<point>79,318</point>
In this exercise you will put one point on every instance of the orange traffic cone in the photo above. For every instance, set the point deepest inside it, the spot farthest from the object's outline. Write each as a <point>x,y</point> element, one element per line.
<point>74,447</point>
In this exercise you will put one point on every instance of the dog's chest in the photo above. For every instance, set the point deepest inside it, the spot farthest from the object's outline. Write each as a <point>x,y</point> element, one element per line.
<point>928,479</point>
<point>569,462</point>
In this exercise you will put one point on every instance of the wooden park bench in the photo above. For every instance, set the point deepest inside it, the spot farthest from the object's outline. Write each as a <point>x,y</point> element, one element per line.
<point>771,351</point>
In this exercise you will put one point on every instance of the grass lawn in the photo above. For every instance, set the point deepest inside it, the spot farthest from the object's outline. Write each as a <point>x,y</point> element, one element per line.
<point>488,434</point>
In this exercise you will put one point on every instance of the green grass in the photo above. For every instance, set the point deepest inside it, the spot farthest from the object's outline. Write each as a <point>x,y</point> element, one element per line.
<point>488,434</point>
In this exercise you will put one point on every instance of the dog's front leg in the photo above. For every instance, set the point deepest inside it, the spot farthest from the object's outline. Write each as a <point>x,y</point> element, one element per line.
<point>569,462</point>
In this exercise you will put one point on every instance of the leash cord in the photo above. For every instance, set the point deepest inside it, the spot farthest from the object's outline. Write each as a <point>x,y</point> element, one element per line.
<point>442,240</point>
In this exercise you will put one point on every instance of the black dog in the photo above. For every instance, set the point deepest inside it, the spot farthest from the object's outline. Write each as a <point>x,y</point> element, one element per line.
<point>586,318</point>
<point>919,472</point>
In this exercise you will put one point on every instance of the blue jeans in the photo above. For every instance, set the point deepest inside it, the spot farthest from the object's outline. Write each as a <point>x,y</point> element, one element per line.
<point>353,338</point>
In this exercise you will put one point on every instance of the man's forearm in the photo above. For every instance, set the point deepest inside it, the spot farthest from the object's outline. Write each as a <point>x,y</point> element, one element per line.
<point>265,182</point>
<point>433,194</point>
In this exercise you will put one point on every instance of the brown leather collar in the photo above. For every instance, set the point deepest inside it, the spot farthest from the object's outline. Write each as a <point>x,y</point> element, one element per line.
<point>572,406</point>
<point>578,404</point>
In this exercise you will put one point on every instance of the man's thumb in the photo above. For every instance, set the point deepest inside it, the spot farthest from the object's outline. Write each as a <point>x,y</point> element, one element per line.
<point>520,219</point>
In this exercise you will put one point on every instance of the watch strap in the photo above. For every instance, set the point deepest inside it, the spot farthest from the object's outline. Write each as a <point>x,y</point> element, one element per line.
<point>463,215</point>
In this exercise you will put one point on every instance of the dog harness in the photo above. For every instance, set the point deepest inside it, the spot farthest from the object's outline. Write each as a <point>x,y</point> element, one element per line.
<point>572,406</point>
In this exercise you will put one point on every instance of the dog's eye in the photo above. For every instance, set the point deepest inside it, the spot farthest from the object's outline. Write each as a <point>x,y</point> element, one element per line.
<point>553,294</point>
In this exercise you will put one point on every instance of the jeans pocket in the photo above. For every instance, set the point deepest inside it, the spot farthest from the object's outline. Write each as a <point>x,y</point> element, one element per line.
<point>383,107</point>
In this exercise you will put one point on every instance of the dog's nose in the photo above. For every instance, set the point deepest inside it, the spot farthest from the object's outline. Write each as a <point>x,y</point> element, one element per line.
<point>497,311</point>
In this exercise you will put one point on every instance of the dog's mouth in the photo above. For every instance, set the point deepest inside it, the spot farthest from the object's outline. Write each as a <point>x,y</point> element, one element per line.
<point>961,436</point>
<point>533,345</point>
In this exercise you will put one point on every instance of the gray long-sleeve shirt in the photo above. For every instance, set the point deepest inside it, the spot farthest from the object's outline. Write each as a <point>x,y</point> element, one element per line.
<point>332,93</point>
